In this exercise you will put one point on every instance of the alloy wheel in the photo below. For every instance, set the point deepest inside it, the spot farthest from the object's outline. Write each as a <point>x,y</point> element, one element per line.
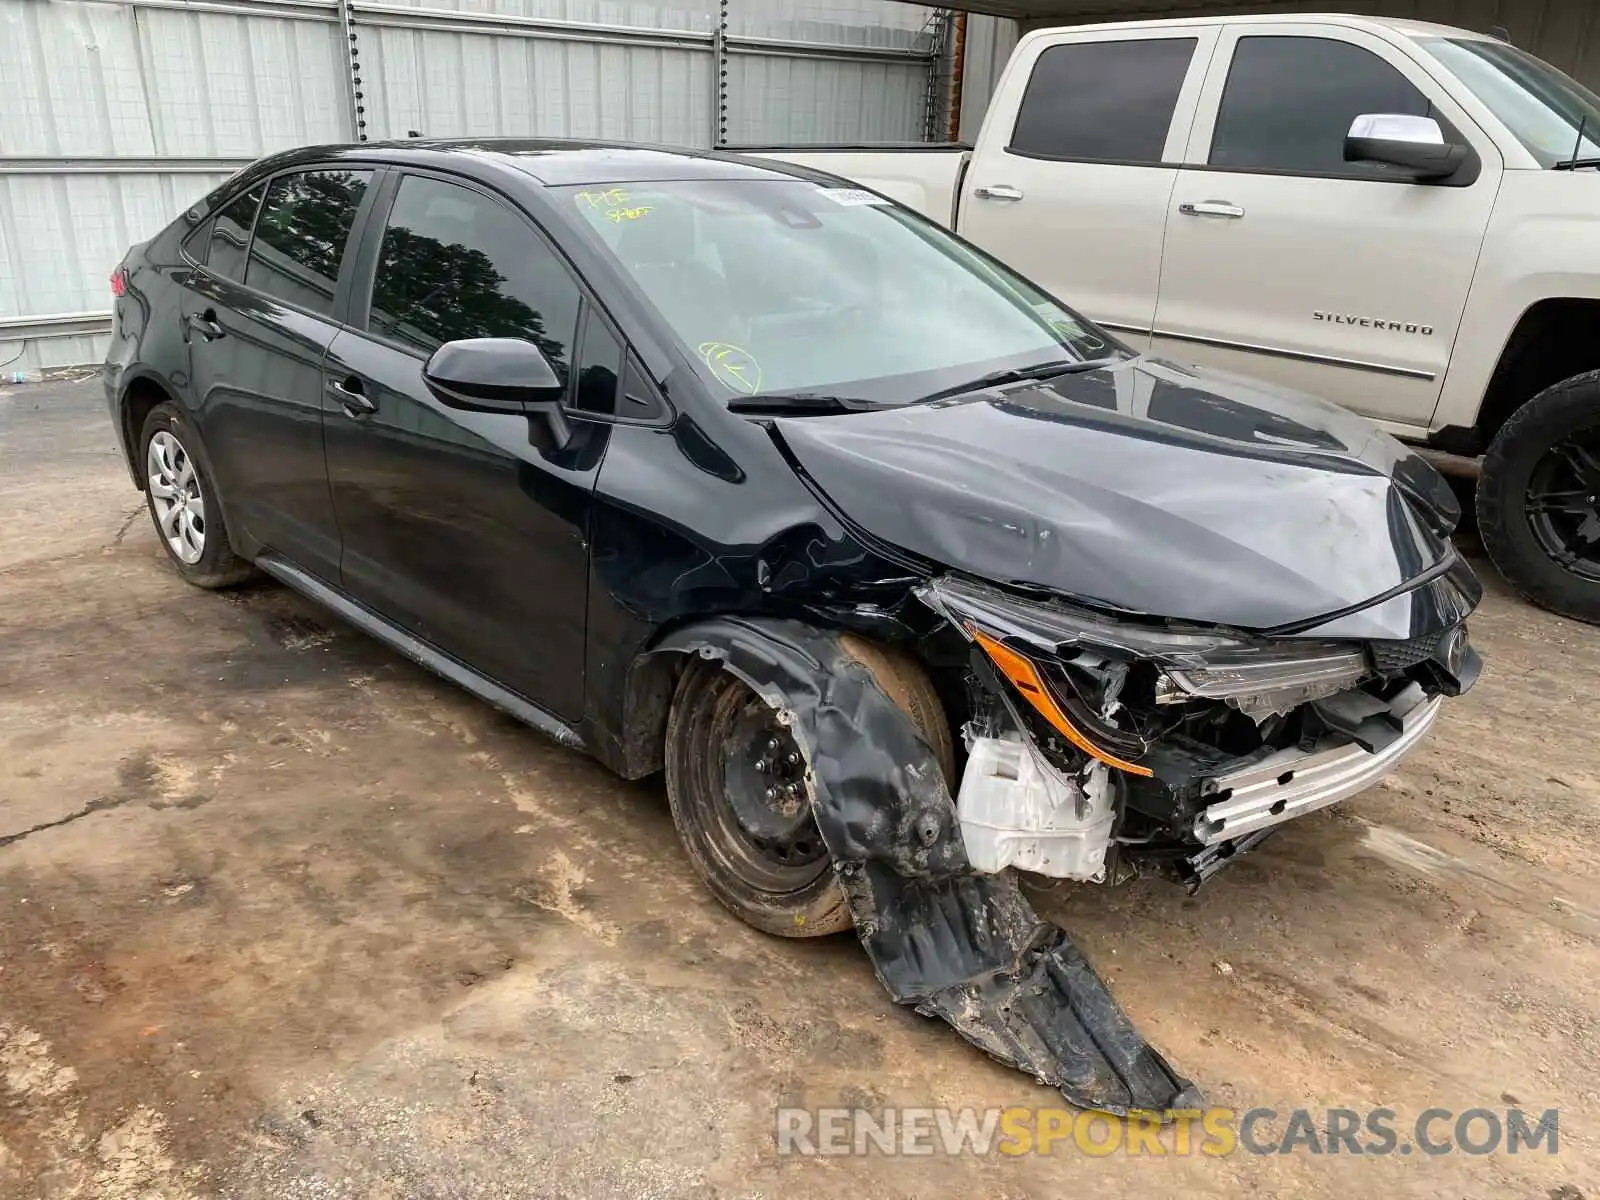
<point>175,496</point>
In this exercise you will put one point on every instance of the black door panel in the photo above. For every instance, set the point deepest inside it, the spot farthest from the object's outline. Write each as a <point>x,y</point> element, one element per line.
<point>255,357</point>
<point>259,389</point>
<point>467,528</point>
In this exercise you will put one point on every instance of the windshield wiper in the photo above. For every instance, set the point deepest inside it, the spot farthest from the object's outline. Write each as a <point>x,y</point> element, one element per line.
<point>1020,375</point>
<point>825,403</point>
<point>1573,161</point>
<point>800,404</point>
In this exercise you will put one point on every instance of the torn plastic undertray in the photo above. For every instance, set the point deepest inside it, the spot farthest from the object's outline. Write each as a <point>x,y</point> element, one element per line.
<point>951,942</point>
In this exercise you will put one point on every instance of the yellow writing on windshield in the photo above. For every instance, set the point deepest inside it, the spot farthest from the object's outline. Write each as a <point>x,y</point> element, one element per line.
<point>733,366</point>
<point>610,198</point>
<point>618,215</point>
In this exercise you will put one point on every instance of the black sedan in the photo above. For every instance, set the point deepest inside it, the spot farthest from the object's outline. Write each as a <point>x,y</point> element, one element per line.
<point>902,571</point>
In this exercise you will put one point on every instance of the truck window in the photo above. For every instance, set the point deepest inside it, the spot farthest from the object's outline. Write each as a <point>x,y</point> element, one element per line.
<point>1106,101</point>
<point>1289,102</point>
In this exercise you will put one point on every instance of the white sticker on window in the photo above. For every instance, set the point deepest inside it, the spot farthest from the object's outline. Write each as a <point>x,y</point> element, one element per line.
<point>850,197</point>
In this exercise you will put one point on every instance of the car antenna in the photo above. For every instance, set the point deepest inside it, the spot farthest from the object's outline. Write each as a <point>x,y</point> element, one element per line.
<point>1500,33</point>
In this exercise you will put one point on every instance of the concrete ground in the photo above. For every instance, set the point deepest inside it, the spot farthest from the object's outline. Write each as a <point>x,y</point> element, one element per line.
<point>282,915</point>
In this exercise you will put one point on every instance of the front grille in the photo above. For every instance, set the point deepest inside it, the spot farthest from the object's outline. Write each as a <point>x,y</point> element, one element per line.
<point>1391,658</point>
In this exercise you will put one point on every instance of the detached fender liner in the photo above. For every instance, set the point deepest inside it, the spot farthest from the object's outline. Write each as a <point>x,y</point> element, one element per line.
<point>942,938</point>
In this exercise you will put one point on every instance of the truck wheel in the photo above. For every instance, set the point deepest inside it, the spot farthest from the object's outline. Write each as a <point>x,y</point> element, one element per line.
<point>1539,498</point>
<point>735,781</point>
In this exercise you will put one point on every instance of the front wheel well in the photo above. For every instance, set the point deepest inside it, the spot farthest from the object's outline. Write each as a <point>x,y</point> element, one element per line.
<point>140,397</point>
<point>652,679</point>
<point>1554,340</point>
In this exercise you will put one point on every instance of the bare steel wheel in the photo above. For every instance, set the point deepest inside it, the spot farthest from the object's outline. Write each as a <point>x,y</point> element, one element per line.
<point>183,503</point>
<point>180,509</point>
<point>736,783</point>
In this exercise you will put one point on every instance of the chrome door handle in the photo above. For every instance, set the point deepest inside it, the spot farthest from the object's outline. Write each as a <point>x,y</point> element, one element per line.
<point>1212,208</point>
<point>998,191</point>
<point>351,398</point>
<point>206,325</point>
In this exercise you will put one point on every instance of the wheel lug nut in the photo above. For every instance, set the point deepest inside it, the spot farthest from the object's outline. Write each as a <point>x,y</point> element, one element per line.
<point>772,794</point>
<point>763,765</point>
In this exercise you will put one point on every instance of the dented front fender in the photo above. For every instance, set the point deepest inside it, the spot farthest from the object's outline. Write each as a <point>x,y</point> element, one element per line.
<point>942,938</point>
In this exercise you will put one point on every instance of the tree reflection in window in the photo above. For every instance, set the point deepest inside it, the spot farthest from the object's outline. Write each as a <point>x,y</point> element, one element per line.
<point>301,233</point>
<point>455,264</point>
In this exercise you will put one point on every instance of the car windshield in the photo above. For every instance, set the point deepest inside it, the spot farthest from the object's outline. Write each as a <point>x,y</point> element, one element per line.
<point>1543,107</point>
<point>784,286</point>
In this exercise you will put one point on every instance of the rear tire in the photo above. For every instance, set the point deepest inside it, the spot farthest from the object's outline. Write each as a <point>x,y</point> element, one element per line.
<point>739,802</point>
<point>1539,498</point>
<point>183,503</point>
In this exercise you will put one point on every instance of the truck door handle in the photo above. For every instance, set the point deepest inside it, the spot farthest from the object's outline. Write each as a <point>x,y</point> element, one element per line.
<point>998,191</point>
<point>205,324</point>
<point>1212,208</point>
<point>352,397</point>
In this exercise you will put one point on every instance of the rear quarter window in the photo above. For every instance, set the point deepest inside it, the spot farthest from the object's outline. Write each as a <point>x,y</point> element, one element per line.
<point>226,245</point>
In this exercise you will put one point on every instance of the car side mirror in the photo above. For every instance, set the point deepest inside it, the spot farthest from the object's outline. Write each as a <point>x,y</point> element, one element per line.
<point>1416,144</point>
<point>498,375</point>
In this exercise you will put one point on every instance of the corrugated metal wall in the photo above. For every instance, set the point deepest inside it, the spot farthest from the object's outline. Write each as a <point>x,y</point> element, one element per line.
<point>989,43</point>
<point>115,115</point>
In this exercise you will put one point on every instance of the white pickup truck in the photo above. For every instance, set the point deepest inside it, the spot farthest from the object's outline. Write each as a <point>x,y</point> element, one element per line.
<point>1400,217</point>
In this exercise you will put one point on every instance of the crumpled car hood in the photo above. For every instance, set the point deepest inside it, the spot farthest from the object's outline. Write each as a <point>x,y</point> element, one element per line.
<point>1144,487</point>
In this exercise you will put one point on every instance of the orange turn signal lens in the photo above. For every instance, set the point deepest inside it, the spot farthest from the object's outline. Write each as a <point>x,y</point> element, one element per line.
<point>1024,676</point>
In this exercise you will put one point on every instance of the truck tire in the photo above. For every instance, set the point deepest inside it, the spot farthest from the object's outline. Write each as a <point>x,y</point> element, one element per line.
<point>735,785</point>
<point>1539,498</point>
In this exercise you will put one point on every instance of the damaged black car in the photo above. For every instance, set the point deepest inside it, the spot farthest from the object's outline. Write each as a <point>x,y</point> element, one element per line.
<point>907,576</point>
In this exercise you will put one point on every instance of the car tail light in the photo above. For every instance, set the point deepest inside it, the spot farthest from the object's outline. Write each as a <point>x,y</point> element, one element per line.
<point>119,282</point>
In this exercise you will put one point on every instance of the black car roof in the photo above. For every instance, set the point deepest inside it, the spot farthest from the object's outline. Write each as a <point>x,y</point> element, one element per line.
<point>557,162</point>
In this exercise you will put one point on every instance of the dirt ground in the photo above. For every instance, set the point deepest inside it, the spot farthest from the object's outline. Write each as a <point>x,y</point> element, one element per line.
<point>283,915</point>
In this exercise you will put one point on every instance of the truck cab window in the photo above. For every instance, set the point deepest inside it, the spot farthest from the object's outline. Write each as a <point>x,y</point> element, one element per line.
<point>1289,102</point>
<point>1110,101</point>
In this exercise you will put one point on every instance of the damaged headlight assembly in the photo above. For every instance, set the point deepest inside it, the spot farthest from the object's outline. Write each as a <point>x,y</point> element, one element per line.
<point>1154,737</point>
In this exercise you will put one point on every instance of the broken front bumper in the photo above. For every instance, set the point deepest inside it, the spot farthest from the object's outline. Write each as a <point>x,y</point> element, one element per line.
<point>1292,783</point>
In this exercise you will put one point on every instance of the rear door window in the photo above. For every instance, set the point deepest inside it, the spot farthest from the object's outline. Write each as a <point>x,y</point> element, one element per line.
<point>1103,101</point>
<point>301,235</point>
<point>1289,102</point>
<point>224,250</point>
<point>456,263</point>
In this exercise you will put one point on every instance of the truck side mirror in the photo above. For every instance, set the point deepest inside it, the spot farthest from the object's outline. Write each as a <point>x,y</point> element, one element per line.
<point>1416,144</point>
